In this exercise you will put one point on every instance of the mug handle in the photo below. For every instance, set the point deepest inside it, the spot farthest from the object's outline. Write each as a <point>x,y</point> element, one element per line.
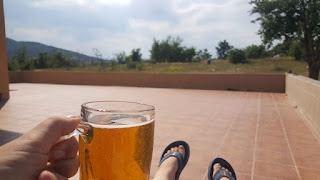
<point>81,130</point>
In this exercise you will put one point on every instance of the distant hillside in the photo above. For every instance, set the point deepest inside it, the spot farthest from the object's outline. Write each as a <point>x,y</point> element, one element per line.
<point>34,48</point>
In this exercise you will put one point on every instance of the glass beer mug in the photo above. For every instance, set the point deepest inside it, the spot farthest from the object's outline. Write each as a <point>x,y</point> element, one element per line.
<point>116,140</point>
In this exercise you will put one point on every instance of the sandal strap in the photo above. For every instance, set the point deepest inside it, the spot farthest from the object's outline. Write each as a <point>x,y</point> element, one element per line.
<point>175,154</point>
<point>220,174</point>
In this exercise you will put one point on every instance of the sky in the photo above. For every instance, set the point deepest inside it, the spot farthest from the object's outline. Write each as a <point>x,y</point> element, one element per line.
<point>113,26</point>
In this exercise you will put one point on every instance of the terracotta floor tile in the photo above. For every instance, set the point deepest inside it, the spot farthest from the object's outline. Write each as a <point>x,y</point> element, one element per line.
<point>307,161</point>
<point>214,123</point>
<point>272,146</point>
<point>274,157</point>
<point>310,174</point>
<point>243,176</point>
<point>264,178</point>
<point>275,171</point>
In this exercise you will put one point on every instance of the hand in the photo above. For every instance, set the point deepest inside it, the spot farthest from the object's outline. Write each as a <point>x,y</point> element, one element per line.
<point>38,154</point>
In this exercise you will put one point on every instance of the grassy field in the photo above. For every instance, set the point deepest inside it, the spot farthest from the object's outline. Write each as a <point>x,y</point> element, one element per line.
<point>269,65</point>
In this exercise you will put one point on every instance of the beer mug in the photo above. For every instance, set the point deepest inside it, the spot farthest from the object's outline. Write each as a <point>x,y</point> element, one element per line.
<point>116,140</point>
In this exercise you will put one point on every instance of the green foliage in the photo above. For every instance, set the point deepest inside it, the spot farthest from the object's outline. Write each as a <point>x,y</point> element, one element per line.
<point>296,51</point>
<point>131,65</point>
<point>21,62</point>
<point>222,49</point>
<point>236,56</point>
<point>287,20</point>
<point>256,52</point>
<point>41,61</point>
<point>136,55</point>
<point>171,50</point>
<point>121,57</point>
<point>202,55</point>
<point>58,60</point>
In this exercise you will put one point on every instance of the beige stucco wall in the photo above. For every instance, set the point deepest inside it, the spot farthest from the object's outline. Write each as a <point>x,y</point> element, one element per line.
<point>305,93</point>
<point>4,79</point>
<point>242,82</point>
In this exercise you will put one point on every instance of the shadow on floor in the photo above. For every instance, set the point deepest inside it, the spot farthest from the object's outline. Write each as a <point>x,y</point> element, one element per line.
<point>7,136</point>
<point>3,102</point>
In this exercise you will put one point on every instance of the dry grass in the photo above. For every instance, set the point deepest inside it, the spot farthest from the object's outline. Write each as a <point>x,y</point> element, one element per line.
<point>269,65</point>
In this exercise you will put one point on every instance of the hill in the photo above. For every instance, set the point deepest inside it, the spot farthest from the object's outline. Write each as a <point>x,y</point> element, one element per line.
<point>34,48</point>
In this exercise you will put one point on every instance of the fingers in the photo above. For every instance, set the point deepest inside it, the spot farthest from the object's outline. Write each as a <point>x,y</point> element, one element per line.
<point>47,175</point>
<point>47,133</point>
<point>66,149</point>
<point>67,167</point>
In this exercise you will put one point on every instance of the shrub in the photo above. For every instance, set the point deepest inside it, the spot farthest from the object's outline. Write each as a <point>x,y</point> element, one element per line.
<point>131,65</point>
<point>236,56</point>
<point>296,51</point>
<point>255,52</point>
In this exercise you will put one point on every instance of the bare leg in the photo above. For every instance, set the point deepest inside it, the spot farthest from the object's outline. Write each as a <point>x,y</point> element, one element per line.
<point>169,167</point>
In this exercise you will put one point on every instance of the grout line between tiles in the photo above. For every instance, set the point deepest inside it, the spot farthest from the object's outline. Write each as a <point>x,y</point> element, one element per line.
<point>286,136</point>
<point>246,102</point>
<point>256,137</point>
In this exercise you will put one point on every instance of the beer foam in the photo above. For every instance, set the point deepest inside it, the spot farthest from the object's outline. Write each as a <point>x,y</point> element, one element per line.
<point>117,126</point>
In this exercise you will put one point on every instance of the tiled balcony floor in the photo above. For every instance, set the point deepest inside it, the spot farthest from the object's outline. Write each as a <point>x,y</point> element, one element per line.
<point>261,134</point>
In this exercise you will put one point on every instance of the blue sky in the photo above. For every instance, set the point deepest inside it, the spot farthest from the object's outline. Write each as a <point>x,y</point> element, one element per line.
<point>112,26</point>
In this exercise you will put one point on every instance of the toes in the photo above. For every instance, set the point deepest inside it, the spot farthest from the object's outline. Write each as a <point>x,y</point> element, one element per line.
<point>216,167</point>
<point>167,153</point>
<point>181,150</point>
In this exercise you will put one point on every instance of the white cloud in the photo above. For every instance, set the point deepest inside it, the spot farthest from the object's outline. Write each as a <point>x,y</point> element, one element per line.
<point>121,25</point>
<point>81,3</point>
<point>150,25</point>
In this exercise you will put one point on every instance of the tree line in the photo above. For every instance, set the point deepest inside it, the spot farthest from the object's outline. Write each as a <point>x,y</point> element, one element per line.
<point>295,23</point>
<point>166,50</point>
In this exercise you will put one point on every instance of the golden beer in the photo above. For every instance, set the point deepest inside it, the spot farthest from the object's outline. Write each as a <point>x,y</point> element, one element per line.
<point>117,152</point>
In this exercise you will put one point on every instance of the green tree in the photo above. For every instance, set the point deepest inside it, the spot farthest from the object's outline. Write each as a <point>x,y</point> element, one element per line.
<point>58,61</point>
<point>236,56</point>
<point>223,49</point>
<point>296,51</point>
<point>136,55</point>
<point>189,54</point>
<point>291,19</point>
<point>171,50</point>
<point>121,57</point>
<point>41,61</point>
<point>255,52</point>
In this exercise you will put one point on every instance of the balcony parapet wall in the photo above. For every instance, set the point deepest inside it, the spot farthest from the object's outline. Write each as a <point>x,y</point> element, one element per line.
<point>305,94</point>
<point>240,82</point>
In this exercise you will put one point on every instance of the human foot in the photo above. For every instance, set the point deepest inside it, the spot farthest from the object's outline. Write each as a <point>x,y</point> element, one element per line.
<point>220,169</point>
<point>217,167</point>
<point>172,161</point>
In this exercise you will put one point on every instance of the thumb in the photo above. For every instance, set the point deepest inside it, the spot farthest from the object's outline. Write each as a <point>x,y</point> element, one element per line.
<point>47,175</point>
<point>47,133</point>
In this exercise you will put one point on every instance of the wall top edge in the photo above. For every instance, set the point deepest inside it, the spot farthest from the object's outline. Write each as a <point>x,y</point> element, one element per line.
<point>270,74</point>
<point>303,78</point>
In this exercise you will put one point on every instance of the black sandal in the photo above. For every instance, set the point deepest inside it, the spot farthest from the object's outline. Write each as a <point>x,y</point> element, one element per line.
<point>181,161</point>
<point>221,173</point>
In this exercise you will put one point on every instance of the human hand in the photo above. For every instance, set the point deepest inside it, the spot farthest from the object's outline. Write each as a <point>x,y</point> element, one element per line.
<point>38,154</point>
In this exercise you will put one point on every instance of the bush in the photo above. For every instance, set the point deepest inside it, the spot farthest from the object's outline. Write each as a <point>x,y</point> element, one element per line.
<point>131,65</point>
<point>236,56</point>
<point>296,51</point>
<point>256,52</point>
